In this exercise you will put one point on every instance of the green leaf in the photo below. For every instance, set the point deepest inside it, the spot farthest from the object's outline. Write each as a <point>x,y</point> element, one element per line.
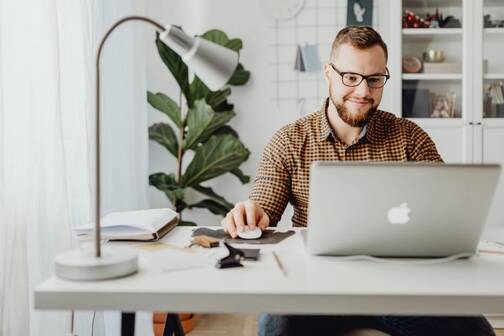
<point>244,179</point>
<point>214,206</point>
<point>168,185</point>
<point>226,129</point>
<point>215,98</point>
<point>240,76</point>
<point>164,135</point>
<point>224,106</point>
<point>216,36</point>
<point>176,66</point>
<point>234,44</point>
<point>186,223</point>
<point>198,89</point>
<point>217,156</point>
<point>202,122</point>
<point>209,192</point>
<point>165,104</point>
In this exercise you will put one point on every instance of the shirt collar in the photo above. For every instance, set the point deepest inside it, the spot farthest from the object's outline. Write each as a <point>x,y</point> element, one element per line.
<point>326,130</point>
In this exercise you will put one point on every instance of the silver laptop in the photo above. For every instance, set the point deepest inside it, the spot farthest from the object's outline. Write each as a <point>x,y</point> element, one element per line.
<point>398,209</point>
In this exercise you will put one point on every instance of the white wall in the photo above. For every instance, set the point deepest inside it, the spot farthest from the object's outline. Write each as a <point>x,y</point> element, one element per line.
<point>257,116</point>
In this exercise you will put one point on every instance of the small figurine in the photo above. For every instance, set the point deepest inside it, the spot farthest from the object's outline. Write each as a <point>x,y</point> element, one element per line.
<point>442,109</point>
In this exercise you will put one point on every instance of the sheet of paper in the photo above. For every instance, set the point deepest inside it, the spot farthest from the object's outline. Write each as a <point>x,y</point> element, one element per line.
<point>176,260</point>
<point>156,246</point>
<point>311,58</point>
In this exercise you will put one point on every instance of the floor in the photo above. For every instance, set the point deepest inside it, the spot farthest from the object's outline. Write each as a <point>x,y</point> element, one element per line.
<point>224,325</point>
<point>237,325</point>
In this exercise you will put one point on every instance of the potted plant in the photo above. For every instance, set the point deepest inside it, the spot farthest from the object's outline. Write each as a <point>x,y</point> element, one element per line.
<point>198,124</point>
<point>201,127</point>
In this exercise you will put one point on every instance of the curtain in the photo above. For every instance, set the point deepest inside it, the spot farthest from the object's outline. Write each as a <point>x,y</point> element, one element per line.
<point>47,51</point>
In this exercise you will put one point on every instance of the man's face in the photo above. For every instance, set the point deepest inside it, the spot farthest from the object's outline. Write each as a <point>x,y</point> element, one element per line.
<point>355,105</point>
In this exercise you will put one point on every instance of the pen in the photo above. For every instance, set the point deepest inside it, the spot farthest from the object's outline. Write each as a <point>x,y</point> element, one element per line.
<point>280,266</point>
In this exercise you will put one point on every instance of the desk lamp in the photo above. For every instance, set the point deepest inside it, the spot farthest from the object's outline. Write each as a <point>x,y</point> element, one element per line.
<point>214,65</point>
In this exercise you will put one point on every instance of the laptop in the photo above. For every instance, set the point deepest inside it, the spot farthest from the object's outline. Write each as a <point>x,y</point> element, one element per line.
<point>398,209</point>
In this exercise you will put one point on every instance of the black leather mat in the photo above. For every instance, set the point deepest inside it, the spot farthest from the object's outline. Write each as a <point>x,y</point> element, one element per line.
<point>268,236</point>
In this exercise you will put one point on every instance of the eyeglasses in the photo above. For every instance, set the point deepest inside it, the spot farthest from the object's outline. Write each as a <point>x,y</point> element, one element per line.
<point>353,79</point>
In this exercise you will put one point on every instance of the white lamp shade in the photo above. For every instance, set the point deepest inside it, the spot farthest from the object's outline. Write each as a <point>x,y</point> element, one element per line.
<point>212,63</point>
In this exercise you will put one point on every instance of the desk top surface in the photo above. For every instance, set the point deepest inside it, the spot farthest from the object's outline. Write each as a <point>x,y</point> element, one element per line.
<point>311,285</point>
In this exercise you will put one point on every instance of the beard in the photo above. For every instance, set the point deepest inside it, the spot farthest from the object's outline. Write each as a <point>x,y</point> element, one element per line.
<point>356,118</point>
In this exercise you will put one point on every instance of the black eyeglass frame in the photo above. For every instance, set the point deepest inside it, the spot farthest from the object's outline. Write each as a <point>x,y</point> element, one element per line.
<point>363,77</point>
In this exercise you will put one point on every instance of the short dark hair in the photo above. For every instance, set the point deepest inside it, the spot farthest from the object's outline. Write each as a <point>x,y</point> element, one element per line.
<point>360,37</point>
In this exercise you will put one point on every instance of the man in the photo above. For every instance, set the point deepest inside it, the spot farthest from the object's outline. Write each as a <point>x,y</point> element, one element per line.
<point>348,127</point>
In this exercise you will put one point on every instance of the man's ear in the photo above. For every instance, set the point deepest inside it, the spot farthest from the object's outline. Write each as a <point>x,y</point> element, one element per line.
<point>327,71</point>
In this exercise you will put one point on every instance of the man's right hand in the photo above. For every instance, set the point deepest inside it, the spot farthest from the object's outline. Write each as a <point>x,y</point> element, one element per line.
<point>245,214</point>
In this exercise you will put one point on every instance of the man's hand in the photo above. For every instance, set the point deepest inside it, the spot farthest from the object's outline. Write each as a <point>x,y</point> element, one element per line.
<point>245,214</point>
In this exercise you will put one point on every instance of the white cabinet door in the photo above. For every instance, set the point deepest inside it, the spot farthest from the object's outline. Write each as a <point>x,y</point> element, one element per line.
<point>493,152</point>
<point>453,143</point>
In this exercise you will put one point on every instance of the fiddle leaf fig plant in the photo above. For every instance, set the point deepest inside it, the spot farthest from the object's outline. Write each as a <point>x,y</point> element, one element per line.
<point>198,124</point>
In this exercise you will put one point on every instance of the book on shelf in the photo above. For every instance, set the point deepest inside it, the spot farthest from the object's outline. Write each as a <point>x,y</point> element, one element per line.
<point>140,225</point>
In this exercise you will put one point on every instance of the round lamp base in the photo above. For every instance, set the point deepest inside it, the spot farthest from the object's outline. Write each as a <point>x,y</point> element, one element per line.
<point>84,265</point>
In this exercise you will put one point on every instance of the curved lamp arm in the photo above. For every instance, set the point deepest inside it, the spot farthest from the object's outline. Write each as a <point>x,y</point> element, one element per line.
<point>212,63</point>
<point>97,116</point>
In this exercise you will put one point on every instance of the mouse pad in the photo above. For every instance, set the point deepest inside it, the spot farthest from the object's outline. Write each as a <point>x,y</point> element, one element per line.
<point>268,236</point>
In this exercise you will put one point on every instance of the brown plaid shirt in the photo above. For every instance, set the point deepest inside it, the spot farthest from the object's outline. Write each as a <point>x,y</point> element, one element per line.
<point>284,171</point>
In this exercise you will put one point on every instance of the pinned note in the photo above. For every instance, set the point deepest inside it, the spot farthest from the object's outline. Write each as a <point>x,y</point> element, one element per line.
<point>307,58</point>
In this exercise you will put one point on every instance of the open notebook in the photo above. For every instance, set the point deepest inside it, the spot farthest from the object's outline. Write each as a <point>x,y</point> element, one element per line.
<point>142,225</point>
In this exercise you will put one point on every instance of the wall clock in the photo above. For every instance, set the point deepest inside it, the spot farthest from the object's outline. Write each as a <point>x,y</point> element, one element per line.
<point>282,9</point>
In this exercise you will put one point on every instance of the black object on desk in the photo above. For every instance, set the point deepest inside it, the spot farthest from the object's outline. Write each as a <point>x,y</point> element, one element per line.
<point>233,259</point>
<point>267,237</point>
<point>251,254</point>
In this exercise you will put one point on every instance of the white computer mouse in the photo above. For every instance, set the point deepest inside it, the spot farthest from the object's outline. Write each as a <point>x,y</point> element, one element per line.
<point>247,233</point>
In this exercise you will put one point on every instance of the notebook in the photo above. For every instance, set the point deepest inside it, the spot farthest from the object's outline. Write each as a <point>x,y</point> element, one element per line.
<point>141,225</point>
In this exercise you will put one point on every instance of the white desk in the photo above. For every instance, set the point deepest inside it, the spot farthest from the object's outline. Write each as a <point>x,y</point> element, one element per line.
<point>321,285</point>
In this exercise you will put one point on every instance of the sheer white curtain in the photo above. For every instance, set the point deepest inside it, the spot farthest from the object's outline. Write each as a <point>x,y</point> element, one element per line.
<point>47,50</point>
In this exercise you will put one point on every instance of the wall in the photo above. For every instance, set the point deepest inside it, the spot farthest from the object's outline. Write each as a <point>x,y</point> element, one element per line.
<point>257,118</point>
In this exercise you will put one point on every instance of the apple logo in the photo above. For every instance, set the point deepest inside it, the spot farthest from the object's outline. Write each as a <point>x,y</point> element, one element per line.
<point>399,215</point>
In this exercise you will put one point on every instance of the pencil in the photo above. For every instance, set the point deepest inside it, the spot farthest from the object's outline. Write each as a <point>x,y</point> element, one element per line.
<point>279,264</point>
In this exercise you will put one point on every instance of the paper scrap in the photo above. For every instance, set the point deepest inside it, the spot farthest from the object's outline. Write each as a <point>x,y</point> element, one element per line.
<point>179,259</point>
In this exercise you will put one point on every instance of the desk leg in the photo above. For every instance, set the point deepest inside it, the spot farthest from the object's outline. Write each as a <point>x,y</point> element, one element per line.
<point>173,327</point>
<point>128,324</point>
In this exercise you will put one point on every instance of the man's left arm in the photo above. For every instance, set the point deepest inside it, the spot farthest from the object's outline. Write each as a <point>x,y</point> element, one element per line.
<point>420,146</point>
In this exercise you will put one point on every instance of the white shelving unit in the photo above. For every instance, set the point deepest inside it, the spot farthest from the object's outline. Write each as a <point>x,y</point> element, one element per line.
<point>474,135</point>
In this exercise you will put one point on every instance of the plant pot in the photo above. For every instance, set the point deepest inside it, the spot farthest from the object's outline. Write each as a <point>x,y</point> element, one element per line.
<point>187,320</point>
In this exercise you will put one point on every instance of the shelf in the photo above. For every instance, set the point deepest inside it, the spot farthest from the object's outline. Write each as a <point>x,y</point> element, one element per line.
<point>493,76</point>
<point>431,31</point>
<point>494,30</point>
<point>431,3</point>
<point>428,76</point>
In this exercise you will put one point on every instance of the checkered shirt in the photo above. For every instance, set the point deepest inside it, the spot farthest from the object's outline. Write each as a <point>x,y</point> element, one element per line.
<point>284,171</point>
